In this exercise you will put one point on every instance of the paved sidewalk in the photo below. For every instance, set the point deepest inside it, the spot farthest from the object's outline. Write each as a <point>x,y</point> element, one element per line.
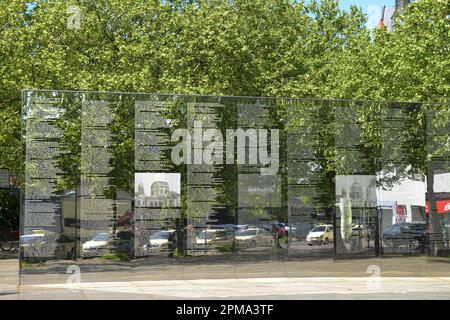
<point>401,278</point>
<point>9,277</point>
<point>249,288</point>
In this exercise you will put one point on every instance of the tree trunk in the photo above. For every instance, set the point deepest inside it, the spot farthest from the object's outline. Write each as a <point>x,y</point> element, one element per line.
<point>435,234</point>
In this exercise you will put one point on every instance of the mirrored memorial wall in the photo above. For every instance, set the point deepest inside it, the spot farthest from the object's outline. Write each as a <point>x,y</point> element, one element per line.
<point>401,180</point>
<point>260,206</point>
<point>106,188</point>
<point>52,127</point>
<point>78,193</point>
<point>43,198</point>
<point>310,186</point>
<point>437,208</point>
<point>147,177</point>
<point>356,159</point>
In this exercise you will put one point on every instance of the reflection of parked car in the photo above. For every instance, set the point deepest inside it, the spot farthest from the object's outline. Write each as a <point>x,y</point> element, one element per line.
<point>161,242</point>
<point>322,234</point>
<point>300,230</point>
<point>290,229</point>
<point>224,226</point>
<point>106,242</point>
<point>100,244</point>
<point>254,237</point>
<point>29,245</point>
<point>360,230</point>
<point>406,233</point>
<point>66,247</point>
<point>47,245</point>
<point>215,239</point>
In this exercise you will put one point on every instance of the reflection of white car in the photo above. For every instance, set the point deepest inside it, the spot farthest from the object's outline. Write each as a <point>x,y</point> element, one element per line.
<point>159,242</point>
<point>291,230</point>
<point>360,230</point>
<point>205,237</point>
<point>215,238</point>
<point>47,245</point>
<point>106,242</point>
<point>322,234</point>
<point>254,237</point>
<point>29,243</point>
<point>100,243</point>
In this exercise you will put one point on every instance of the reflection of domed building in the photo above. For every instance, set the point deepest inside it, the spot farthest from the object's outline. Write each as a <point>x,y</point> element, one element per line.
<point>160,188</point>
<point>356,195</point>
<point>161,196</point>
<point>356,192</point>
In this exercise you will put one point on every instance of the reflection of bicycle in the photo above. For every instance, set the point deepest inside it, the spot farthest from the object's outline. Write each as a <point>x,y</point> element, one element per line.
<point>6,240</point>
<point>281,241</point>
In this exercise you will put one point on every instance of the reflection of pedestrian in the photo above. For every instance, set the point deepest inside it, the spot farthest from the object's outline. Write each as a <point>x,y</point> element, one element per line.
<point>278,232</point>
<point>274,232</point>
<point>190,236</point>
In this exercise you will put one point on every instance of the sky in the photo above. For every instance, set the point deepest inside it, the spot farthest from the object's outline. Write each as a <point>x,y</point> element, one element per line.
<point>372,8</point>
<point>345,4</point>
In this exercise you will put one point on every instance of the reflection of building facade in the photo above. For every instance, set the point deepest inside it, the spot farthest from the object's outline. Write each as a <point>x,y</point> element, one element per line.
<point>388,14</point>
<point>356,202</point>
<point>160,196</point>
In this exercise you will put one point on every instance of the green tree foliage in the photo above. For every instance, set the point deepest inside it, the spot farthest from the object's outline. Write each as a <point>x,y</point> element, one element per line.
<point>261,47</point>
<point>224,47</point>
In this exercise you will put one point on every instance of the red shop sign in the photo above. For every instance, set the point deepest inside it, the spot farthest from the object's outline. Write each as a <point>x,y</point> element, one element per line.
<point>442,206</point>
